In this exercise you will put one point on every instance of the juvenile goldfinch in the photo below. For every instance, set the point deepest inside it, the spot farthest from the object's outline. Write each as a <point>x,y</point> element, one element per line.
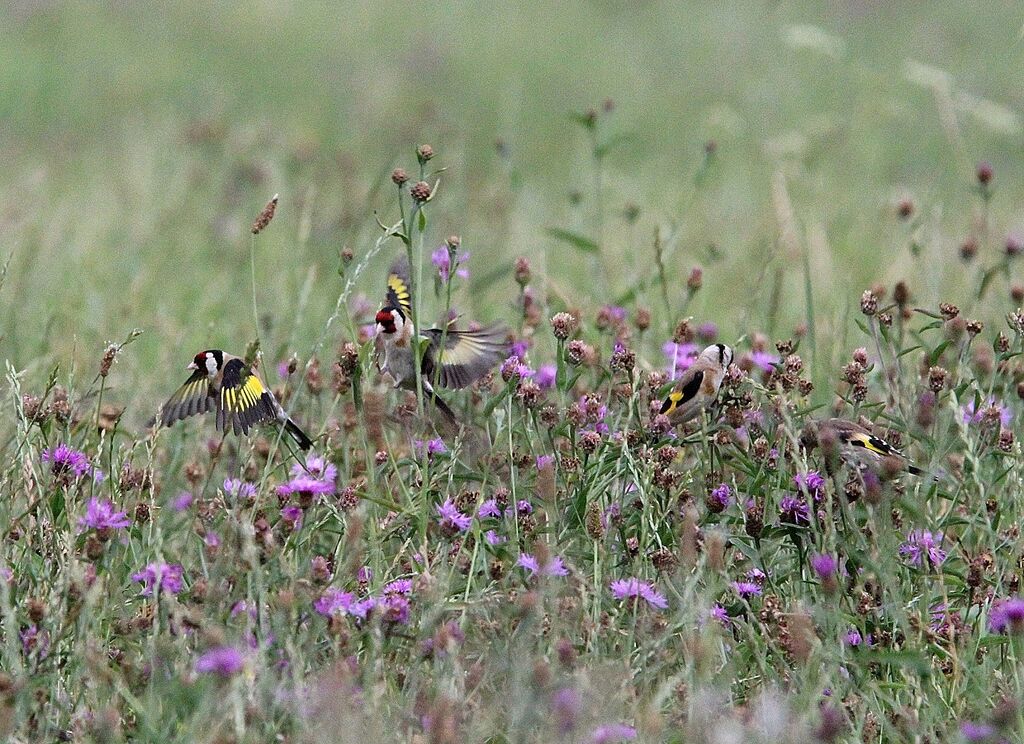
<point>223,383</point>
<point>857,447</point>
<point>455,359</point>
<point>698,387</point>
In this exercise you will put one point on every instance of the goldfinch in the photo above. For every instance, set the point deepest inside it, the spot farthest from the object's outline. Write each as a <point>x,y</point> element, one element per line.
<point>857,447</point>
<point>455,359</point>
<point>698,387</point>
<point>223,383</point>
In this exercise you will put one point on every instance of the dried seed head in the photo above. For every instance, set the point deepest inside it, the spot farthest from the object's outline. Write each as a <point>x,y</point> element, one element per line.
<point>108,359</point>
<point>522,271</point>
<point>1014,245</point>
<point>420,192</point>
<point>1001,344</point>
<point>399,176</point>
<point>868,303</point>
<point>974,327</point>
<point>642,319</point>
<point>948,310</point>
<point>983,172</point>
<point>969,249</point>
<point>905,208</point>
<point>683,333</point>
<point>564,325</point>
<point>265,216</point>
<point>695,280</point>
<point>593,521</point>
<point>424,153</point>
<point>937,377</point>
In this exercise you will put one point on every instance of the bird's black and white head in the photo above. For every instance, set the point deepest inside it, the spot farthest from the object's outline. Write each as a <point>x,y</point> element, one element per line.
<point>210,361</point>
<point>390,320</point>
<point>719,354</point>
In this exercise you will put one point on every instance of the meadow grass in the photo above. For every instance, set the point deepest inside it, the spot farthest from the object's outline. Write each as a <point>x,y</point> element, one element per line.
<point>570,567</point>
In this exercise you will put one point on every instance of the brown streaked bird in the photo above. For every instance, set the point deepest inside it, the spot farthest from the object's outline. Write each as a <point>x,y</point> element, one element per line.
<point>453,359</point>
<point>857,446</point>
<point>225,384</point>
<point>698,386</point>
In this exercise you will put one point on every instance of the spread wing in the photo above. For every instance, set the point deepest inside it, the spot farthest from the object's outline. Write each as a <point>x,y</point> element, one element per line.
<point>686,390</point>
<point>467,355</point>
<point>873,444</point>
<point>195,396</point>
<point>243,401</point>
<point>399,288</point>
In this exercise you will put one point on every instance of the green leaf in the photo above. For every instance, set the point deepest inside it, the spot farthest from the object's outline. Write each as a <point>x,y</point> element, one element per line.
<point>934,357</point>
<point>422,221</point>
<point>580,242</point>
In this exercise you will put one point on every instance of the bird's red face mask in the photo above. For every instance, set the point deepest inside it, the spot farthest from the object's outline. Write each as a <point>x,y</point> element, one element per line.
<point>386,321</point>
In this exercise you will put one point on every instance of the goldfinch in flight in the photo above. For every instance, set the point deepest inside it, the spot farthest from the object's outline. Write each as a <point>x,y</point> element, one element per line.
<point>698,386</point>
<point>223,383</point>
<point>858,447</point>
<point>454,359</point>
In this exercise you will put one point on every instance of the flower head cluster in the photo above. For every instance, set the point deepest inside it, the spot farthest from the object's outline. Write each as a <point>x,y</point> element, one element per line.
<point>443,258</point>
<point>810,482</point>
<point>431,447</point>
<point>923,548</point>
<point>451,519</point>
<point>972,414</point>
<point>64,460</point>
<point>312,481</point>
<point>679,356</point>
<point>553,567</point>
<point>240,489</point>
<point>223,661</point>
<point>392,606</point>
<point>1007,616</point>
<point>101,515</point>
<point>162,577</point>
<point>633,588</point>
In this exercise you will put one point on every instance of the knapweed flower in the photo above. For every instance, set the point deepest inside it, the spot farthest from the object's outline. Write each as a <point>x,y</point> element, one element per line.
<point>824,566</point>
<point>719,497</point>
<point>162,577</point>
<point>544,461</point>
<point>64,460</point>
<point>852,637</point>
<point>292,514</point>
<point>334,602</point>
<point>441,257</point>
<point>317,467</point>
<point>680,357</point>
<point>100,515</point>
<point>394,609</point>
<point>566,707</point>
<point>976,732</point>
<point>34,640</point>
<point>747,589</point>
<point>811,482</point>
<point>182,501</point>
<point>239,489</point>
<point>971,414</point>
<point>610,733</point>
<point>430,447</point>
<point>513,368</point>
<point>632,588</point>
<point>545,377</point>
<point>224,661</point>
<point>493,538</point>
<point>1007,616</point>
<point>306,485</point>
<point>720,614</point>
<point>923,548</point>
<point>554,566</point>
<point>794,510</point>
<point>451,519</point>
<point>489,509</point>
<point>764,360</point>
<point>398,586</point>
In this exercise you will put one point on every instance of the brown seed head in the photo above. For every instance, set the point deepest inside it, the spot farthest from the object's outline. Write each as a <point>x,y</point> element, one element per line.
<point>983,172</point>
<point>868,303</point>
<point>399,176</point>
<point>969,249</point>
<point>420,192</point>
<point>265,216</point>
<point>424,153</point>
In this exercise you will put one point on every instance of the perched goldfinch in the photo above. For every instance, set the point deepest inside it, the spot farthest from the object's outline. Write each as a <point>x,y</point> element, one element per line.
<point>464,357</point>
<point>698,386</point>
<point>224,383</point>
<point>857,446</point>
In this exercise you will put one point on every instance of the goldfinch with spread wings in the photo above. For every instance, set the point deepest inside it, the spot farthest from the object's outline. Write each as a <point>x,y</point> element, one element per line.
<point>858,447</point>
<point>454,359</point>
<point>698,386</point>
<point>225,384</point>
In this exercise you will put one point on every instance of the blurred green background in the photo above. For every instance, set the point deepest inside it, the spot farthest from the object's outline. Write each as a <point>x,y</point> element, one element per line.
<point>139,141</point>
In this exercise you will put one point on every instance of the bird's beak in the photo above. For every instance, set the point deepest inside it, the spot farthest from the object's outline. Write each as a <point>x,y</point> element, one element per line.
<point>192,366</point>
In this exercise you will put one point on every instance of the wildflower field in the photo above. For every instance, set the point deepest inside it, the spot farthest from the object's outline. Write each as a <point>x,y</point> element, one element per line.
<point>834,192</point>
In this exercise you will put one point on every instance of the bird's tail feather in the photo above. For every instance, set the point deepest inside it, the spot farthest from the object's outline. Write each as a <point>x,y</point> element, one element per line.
<point>298,434</point>
<point>445,410</point>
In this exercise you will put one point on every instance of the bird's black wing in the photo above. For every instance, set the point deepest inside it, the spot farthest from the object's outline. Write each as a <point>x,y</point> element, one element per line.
<point>243,401</point>
<point>195,396</point>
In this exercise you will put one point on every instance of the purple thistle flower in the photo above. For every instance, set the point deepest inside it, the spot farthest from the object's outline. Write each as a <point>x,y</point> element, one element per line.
<point>923,548</point>
<point>565,709</point>
<point>441,257</point>
<point>100,515</point>
<point>610,733</point>
<point>971,414</point>
<point>488,509</point>
<point>679,356</point>
<point>976,732</point>
<point>764,361</point>
<point>394,609</point>
<point>1007,616</point>
<point>824,566</point>
<point>794,510</point>
<point>632,588</point>
<point>747,589</point>
<point>224,661</point>
<point>63,459</point>
<point>451,519</point>
<point>318,467</point>
<point>162,577</point>
<point>293,515</point>
<point>719,497</point>
<point>334,602</point>
<point>35,640</point>
<point>853,637</point>
<point>399,586</point>
<point>493,538</point>
<point>305,485</point>
<point>182,501</point>
<point>544,461</point>
<point>363,608</point>
<point>707,332</point>
<point>757,576</point>
<point>545,377</point>
<point>554,566</point>
<point>430,447</point>
<point>364,574</point>
<point>811,482</point>
<point>720,614</point>
<point>239,489</point>
<point>513,368</point>
<point>519,348</point>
